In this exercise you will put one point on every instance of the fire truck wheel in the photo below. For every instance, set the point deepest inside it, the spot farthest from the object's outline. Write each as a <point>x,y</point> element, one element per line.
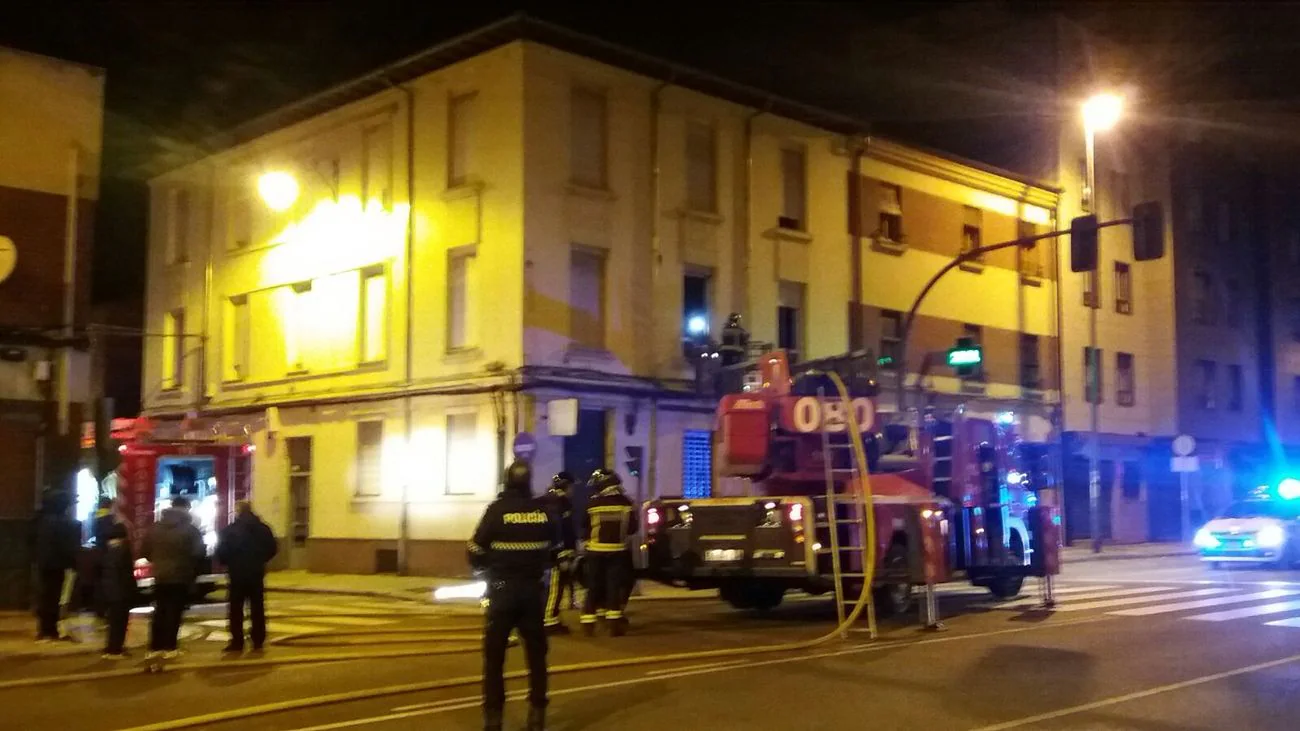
<point>1008,587</point>
<point>893,598</point>
<point>752,596</point>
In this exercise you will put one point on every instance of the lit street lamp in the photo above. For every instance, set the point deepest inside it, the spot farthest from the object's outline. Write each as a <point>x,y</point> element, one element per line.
<point>1100,113</point>
<point>279,190</point>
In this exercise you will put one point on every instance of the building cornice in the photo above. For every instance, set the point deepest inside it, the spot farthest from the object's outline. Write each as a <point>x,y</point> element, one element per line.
<point>962,172</point>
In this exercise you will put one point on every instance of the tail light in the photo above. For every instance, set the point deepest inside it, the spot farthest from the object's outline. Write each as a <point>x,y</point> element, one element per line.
<point>796,513</point>
<point>652,517</point>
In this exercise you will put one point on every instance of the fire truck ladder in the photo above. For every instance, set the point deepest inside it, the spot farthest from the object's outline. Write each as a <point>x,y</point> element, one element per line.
<point>841,510</point>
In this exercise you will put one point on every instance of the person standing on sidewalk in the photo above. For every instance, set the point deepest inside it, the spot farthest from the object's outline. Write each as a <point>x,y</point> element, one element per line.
<point>174,547</point>
<point>561,576</point>
<point>117,589</point>
<point>515,542</point>
<point>246,546</point>
<point>56,540</point>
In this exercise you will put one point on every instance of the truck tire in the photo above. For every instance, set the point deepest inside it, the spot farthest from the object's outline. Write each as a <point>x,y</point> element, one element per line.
<point>752,595</point>
<point>892,599</point>
<point>1008,587</point>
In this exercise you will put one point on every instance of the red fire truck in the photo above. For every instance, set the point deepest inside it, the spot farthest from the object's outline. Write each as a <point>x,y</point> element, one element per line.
<point>955,497</point>
<point>198,461</point>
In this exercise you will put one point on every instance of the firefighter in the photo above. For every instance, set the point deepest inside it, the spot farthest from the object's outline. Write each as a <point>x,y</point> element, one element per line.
<point>558,497</point>
<point>611,520</point>
<point>735,342</point>
<point>515,542</point>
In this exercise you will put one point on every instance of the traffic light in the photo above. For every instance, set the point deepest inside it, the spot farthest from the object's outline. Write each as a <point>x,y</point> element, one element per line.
<point>634,455</point>
<point>966,358</point>
<point>1083,244</point>
<point>1148,231</point>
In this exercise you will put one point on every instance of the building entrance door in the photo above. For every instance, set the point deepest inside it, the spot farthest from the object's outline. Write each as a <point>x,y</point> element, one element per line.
<point>299,500</point>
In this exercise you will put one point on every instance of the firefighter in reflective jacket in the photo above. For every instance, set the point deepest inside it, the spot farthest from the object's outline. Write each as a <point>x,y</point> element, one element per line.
<point>517,540</point>
<point>558,498</point>
<point>610,521</point>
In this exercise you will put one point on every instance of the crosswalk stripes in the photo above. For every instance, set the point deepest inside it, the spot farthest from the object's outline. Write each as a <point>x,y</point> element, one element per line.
<point>311,618</point>
<point>1228,602</point>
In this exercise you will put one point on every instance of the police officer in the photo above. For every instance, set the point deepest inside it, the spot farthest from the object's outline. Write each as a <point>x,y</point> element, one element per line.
<point>515,542</point>
<point>610,521</point>
<point>561,505</point>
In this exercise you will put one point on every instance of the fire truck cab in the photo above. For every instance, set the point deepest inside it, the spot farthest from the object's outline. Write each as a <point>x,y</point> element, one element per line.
<point>952,498</point>
<point>161,462</point>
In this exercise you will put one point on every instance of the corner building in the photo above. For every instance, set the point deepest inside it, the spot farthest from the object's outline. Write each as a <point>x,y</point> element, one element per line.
<point>522,217</point>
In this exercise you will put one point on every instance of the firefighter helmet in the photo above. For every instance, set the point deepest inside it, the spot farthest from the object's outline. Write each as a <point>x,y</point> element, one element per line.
<point>603,478</point>
<point>562,481</point>
<point>519,477</point>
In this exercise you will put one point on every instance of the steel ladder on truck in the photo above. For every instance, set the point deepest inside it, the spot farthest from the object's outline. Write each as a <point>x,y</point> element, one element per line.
<point>835,511</point>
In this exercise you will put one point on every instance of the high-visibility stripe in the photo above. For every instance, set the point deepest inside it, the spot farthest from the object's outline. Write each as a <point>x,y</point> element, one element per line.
<point>614,615</point>
<point>610,509</point>
<point>475,548</point>
<point>520,546</point>
<point>587,619</point>
<point>606,547</point>
<point>553,599</point>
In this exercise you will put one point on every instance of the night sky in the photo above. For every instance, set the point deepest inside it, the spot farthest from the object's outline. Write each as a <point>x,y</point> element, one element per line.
<point>967,77</point>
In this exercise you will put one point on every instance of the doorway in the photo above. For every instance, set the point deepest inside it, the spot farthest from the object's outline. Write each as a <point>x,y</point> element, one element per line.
<point>584,453</point>
<point>299,500</point>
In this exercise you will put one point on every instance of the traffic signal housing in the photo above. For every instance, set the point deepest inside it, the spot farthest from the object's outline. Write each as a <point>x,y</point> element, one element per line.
<point>1083,244</point>
<point>1148,231</point>
<point>634,460</point>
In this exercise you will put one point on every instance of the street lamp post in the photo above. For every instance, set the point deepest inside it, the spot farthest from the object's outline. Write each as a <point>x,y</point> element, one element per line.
<point>1100,113</point>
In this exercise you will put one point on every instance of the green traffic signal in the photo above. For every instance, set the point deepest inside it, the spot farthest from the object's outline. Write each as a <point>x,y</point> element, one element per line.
<point>965,357</point>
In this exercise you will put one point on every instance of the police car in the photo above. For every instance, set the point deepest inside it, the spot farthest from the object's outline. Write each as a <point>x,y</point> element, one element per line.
<point>1263,529</point>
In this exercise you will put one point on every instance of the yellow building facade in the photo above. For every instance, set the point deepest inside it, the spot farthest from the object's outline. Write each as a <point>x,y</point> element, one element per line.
<point>574,214</point>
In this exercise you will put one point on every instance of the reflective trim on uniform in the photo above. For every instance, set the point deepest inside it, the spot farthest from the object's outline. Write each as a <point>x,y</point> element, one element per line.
<point>613,614</point>
<point>610,509</point>
<point>606,547</point>
<point>521,546</point>
<point>566,553</point>
<point>475,548</point>
<point>600,613</point>
<point>587,619</point>
<point>551,622</point>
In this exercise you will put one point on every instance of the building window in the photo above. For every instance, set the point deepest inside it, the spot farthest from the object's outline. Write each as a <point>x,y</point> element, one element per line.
<point>1235,388</point>
<point>790,319</point>
<point>370,458</point>
<point>179,230</point>
<point>373,320</point>
<point>697,464</point>
<point>461,270</point>
<point>235,348</point>
<point>241,215</point>
<point>297,317</point>
<point>1207,384</point>
<point>462,450</point>
<point>794,189</point>
<point>1031,262</point>
<point>695,305</point>
<point>1092,381</point>
<point>1235,303</point>
<point>701,167</point>
<point>1204,311</point>
<point>1091,290</point>
<point>588,138</point>
<point>1125,380</point>
<point>1123,288</point>
<point>460,139</point>
<point>587,298</point>
<point>976,335</point>
<point>891,338</point>
<point>1030,371</point>
<point>173,365</point>
<point>972,224</point>
<point>1085,191</point>
<point>891,214</point>
<point>377,175</point>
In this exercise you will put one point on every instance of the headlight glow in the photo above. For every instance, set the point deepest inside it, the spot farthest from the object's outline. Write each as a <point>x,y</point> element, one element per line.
<point>1204,539</point>
<point>1270,536</point>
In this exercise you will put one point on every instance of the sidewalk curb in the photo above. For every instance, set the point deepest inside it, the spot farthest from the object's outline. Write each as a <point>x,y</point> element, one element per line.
<point>1125,557</point>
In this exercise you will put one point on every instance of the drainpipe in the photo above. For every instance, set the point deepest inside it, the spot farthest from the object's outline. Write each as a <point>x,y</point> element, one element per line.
<point>746,221</point>
<point>404,528</point>
<point>656,260</point>
<point>855,277</point>
<point>201,398</point>
<point>64,388</point>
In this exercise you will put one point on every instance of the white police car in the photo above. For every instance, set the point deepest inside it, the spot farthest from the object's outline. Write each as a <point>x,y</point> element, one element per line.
<point>1264,530</point>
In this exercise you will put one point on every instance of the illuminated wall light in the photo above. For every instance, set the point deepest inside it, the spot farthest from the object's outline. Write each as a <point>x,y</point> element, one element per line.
<point>278,189</point>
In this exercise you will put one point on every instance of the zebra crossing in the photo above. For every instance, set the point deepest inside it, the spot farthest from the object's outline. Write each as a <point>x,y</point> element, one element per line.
<point>304,617</point>
<point>1266,602</point>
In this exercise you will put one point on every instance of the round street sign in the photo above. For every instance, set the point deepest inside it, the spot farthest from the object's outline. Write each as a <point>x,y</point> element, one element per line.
<point>525,446</point>
<point>1184,445</point>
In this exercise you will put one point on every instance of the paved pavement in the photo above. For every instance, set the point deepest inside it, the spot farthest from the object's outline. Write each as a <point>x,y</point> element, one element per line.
<point>1154,644</point>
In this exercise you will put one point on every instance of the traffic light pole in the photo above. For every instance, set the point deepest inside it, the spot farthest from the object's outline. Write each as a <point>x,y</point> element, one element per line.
<point>1093,363</point>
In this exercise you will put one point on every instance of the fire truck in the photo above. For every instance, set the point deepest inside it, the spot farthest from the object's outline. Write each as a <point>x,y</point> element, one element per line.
<point>198,461</point>
<point>954,497</point>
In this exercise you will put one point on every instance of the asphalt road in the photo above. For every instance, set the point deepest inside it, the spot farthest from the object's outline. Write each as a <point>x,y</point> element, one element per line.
<point>1153,644</point>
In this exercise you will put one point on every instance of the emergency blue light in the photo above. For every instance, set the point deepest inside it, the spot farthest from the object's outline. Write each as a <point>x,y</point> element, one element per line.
<point>1288,488</point>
